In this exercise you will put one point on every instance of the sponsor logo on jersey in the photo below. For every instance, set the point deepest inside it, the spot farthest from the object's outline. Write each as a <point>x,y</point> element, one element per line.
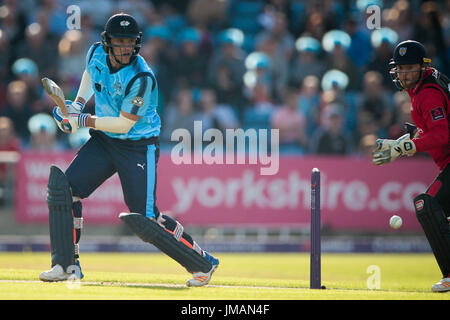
<point>419,204</point>
<point>437,113</point>
<point>138,101</point>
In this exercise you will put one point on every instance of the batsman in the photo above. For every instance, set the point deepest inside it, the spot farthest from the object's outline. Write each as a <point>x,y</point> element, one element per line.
<point>429,91</point>
<point>124,139</point>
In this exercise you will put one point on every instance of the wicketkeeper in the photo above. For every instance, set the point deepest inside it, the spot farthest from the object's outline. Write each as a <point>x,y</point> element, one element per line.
<point>429,91</point>
<point>124,139</point>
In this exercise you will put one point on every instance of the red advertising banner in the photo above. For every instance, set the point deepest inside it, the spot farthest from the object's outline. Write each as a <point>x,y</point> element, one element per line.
<point>32,172</point>
<point>355,194</point>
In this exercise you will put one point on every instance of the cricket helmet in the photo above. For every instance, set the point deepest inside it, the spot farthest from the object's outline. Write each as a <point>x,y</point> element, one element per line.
<point>405,53</point>
<point>121,25</point>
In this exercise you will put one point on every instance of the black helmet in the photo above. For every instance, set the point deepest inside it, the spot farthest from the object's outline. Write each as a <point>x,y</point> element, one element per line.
<point>121,25</point>
<point>407,52</point>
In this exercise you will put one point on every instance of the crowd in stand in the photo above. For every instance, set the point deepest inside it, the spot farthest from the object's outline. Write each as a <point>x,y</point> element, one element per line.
<point>315,70</point>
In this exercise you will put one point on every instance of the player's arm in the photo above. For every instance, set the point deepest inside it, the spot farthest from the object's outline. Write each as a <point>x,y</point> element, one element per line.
<point>121,124</point>
<point>432,109</point>
<point>133,108</point>
<point>434,113</point>
<point>85,90</point>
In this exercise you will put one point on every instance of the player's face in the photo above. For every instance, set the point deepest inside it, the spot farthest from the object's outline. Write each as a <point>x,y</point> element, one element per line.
<point>123,49</point>
<point>408,74</point>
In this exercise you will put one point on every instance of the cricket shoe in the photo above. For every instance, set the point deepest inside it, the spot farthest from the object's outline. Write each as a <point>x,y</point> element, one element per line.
<point>200,279</point>
<point>441,286</point>
<point>57,273</point>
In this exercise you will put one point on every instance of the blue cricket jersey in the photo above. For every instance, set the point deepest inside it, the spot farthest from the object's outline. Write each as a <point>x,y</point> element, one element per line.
<point>132,89</point>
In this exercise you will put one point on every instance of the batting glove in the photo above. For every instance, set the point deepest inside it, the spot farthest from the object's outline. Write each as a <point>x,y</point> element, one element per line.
<point>388,150</point>
<point>72,123</point>
<point>74,108</point>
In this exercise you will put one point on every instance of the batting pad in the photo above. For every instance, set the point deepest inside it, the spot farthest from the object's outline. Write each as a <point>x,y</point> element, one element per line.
<point>59,201</point>
<point>436,227</point>
<point>150,231</point>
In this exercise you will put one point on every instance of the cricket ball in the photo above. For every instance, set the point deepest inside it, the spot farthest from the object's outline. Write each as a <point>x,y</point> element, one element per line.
<point>395,222</point>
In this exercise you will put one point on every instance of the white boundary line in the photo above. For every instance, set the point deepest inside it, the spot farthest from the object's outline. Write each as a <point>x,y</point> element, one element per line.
<point>150,285</point>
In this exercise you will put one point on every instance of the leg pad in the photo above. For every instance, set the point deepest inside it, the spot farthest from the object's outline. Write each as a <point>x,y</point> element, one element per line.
<point>150,231</point>
<point>436,227</point>
<point>59,201</point>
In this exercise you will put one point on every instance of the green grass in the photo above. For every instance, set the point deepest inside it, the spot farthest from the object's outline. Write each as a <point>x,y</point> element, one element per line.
<point>239,277</point>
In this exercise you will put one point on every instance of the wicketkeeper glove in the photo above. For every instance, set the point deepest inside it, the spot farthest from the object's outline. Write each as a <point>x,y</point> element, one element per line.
<point>388,150</point>
<point>410,128</point>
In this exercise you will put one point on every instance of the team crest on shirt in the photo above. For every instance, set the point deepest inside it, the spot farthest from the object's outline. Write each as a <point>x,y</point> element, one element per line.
<point>402,51</point>
<point>437,113</point>
<point>137,101</point>
<point>435,74</point>
<point>118,88</point>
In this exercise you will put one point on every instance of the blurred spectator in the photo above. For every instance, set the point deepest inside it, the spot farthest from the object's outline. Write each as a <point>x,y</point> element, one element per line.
<point>216,115</point>
<point>257,114</point>
<point>335,43</point>
<point>306,61</point>
<point>13,21</point>
<point>334,84</point>
<point>227,68</point>
<point>278,43</point>
<point>52,15</point>
<point>71,63</point>
<point>8,139</point>
<point>291,124</point>
<point>246,15</point>
<point>77,139</point>
<point>26,70</point>
<point>8,142</point>
<point>5,56</point>
<point>367,145</point>
<point>399,19</point>
<point>18,109</point>
<point>89,34</point>
<point>360,49</point>
<point>277,31</point>
<point>207,13</point>
<point>294,12</point>
<point>43,131</point>
<point>330,138</point>
<point>99,11</point>
<point>402,114</point>
<point>159,53</point>
<point>320,18</point>
<point>309,103</point>
<point>189,68</point>
<point>260,97</point>
<point>277,70</point>
<point>429,32</point>
<point>446,31</point>
<point>141,10</point>
<point>335,80</point>
<point>375,102</point>
<point>180,113</point>
<point>366,126</point>
<point>259,72</point>
<point>384,41</point>
<point>41,48</point>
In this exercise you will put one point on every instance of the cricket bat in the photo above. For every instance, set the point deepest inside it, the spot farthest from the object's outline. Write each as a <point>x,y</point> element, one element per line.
<point>55,92</point>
